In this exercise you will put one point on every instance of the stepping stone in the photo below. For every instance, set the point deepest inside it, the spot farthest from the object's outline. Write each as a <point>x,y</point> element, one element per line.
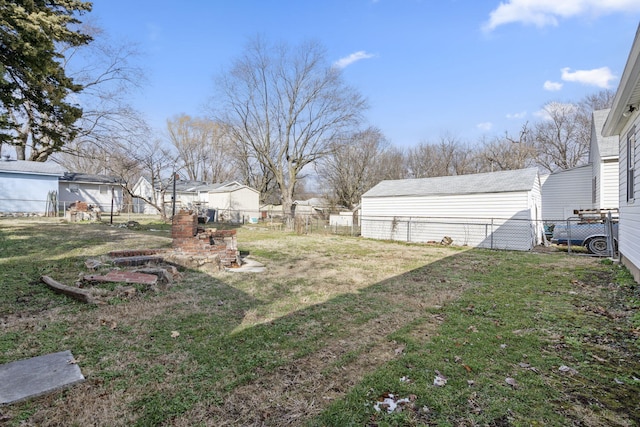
<point>33,377</point>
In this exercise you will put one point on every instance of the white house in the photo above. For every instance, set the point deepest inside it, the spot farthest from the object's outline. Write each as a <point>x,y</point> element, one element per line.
<point>624,121</point>
<point>603,156</point>
<point>234,202</point>
<point>500,210</point>
<point>102,191</point>
<point>28,187</point>
<point>188,194</point>
<point>566,191</point>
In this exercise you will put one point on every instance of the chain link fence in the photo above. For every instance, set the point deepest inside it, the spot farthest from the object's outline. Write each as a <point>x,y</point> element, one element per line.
<point>591,236</point>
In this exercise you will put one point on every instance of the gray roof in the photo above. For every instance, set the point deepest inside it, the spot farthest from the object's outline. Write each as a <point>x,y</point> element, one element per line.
<point>490,182</point>
<point>608,146</point>
<point>32,168</point>
<point>94,179</point>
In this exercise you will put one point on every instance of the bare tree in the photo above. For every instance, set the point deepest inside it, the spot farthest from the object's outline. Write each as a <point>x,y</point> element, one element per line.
<point>356,164</point>
<point>449,156</point>
<point>508,153</point>
<point>285,106</point>
<point>202,147</point>
<point>154,160</point>
<point>563,136</point>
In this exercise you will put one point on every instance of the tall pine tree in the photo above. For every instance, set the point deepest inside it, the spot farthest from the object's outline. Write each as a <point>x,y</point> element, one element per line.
<point>35,107</point>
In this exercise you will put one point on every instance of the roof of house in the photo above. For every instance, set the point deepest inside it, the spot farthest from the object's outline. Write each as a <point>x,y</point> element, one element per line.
<point>32,168</point>
<point>490,182</point>
<point>314,201</point>
<point>627,98</point>
<point>607,145</point>
<point>89,178</point>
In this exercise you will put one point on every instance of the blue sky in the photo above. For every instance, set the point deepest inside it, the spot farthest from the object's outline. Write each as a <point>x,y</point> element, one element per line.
<point>467,68</point>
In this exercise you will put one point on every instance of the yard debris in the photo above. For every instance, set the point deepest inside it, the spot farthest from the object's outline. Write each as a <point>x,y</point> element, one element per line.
<point>567,369</point>
<point>398,351</point>
<point>512,382</point>
<point>92,264</point>
<point>405,380</point>
<point>175,334</point>
<point>389,403</point>
<point>446,241</point>
<point>439,380</point>
<point>81,295</point>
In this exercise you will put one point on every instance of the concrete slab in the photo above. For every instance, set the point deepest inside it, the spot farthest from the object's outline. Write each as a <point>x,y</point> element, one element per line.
<point>24,379</point>
<point>248,266</point>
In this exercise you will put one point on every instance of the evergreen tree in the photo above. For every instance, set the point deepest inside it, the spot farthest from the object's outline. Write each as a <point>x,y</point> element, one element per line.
<point>35,106</point>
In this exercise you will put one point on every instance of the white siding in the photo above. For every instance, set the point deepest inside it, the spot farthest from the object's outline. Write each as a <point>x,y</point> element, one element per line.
<point>496,220</point>
<point>93,194</point>
<point>607,197</point>
<point>26,193</point>
<point>629,231</point>
<point>565,191</point>
<point>239,205</point>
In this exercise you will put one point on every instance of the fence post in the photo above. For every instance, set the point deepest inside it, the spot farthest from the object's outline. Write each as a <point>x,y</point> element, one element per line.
<point>491,231</point>
<point>568,235</point>
<point>409,230</point>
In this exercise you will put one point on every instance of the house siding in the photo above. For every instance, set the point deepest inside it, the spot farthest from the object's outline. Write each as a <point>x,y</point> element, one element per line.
<point>496,220</point>
<point>238,205</point>
<point>609,182</point>
<point>25,193</point>
<point>565,191</point>
<point>92,193</point>
<point>629,227</point>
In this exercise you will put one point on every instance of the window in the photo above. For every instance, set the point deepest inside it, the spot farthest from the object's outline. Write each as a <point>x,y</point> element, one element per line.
<point>74,188</point>
<point>631,160</point>
<point>104,189</point>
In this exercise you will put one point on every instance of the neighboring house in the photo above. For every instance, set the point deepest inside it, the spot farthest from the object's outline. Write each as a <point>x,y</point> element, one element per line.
<point>313,206</point>
<point>143,189</point>
<point>593,186</point>
<point>343,219</point>
<point>234,202</point>
<point>566,191</point>
<point>624,121</point>
<point>603,156</point>
<point>101,191</point>
<point>500,210</point>
<point>188,194</point>
<point>28,187</point>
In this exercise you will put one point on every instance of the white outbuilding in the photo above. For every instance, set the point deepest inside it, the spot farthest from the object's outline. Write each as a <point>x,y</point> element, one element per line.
<point>497,210</point>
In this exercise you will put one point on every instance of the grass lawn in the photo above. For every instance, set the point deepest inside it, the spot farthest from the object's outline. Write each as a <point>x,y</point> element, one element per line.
<point>335,328</point>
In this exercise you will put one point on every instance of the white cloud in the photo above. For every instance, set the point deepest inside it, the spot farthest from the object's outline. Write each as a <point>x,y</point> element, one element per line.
<point>486,126</point>
<point>552,86</point>
<point>520,115</point>
<point>354,57</point>
<point>597,77</point>
<point>547,12</point>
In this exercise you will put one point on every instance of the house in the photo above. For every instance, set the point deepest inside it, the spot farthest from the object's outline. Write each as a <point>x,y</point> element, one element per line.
<point>623,121</point>
<point>101,191</point>
<point>603,156</point>
<point>28,187</point>
<point>593,186</point>
<point>234,202</point>
<point>566,191</point>
<point>188,194</point>
<point>313,206</point>
<point>499,210</point>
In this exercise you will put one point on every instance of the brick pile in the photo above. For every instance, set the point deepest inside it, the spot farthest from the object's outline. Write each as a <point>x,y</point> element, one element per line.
<point>204,246</point>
